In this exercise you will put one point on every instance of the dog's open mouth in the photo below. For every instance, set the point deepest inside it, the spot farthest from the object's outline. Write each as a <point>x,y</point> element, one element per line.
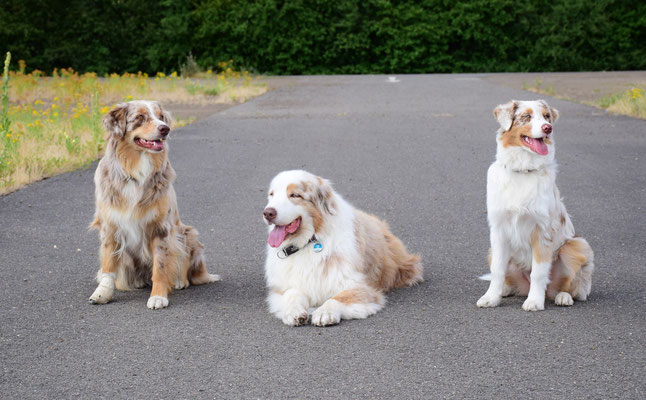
<point>536,145</point>
<point>280,232</point>
<point>154,145</point>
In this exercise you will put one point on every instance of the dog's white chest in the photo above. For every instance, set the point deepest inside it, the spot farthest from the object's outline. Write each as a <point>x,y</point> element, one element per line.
<point>311,273</point>
<point>516,194</point>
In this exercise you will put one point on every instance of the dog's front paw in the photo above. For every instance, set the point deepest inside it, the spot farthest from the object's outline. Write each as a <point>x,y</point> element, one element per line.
<point>296,317</point>
<point>100,296</point>
<point>103,293</point>
<point>488,301</point>
<point>214,278</point>
<point>563,299</point>
<point>534,304</point>
<point>157,302</point>
<point>325,316</point>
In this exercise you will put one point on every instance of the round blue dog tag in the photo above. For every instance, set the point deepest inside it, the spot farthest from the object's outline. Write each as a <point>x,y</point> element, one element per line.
<point>318,247</point>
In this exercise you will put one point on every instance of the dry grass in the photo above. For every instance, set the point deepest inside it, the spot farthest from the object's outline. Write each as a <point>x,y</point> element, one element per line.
<point>630,102</point>
<point>54,123</point>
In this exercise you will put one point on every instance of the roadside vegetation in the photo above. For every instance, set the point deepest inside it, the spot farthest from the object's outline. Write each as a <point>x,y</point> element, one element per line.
<point>631,102</point>
<point>52,124</point>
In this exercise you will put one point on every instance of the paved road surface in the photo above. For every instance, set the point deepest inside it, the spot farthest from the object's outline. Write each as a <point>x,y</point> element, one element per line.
<point>413,152</point>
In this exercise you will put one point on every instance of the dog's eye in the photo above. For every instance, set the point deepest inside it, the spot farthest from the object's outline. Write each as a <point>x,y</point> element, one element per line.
<point>140,118</point>
<point>527,116</point>
<point>546,116</point>
<point>295,195</point>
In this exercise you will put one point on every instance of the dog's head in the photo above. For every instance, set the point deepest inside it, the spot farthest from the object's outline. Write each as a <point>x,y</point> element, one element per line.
<point>298,205</point>
<point>526,128</point>
<point>140,125</point>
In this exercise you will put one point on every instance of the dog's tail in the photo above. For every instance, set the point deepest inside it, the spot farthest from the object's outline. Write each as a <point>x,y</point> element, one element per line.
<point>485,277</point>
<point>410,271</point>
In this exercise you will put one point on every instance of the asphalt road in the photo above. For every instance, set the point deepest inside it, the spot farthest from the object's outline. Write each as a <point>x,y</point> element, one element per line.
<point>413,152</point>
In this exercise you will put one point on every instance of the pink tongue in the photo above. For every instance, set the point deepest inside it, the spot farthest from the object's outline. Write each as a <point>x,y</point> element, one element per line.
<point>157,145</point>
<point>537,145</point>
<point>277,235</point>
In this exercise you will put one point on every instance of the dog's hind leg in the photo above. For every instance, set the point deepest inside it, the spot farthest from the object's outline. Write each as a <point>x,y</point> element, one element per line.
<point>357,303</point>
<point>577,260</point>
<point>197,273</point>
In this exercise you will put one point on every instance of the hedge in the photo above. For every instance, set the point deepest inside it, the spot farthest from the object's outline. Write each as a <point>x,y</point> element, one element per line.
<point>327,37</point>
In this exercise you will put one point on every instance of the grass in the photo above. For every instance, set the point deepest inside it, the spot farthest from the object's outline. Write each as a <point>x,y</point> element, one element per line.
<point>52,124</point>
<point>629,102</point>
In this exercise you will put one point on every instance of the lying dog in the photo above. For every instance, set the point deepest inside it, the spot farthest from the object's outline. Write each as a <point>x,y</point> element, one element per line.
<point>534,250</point>
<point>324,253</point>
<point>143,241</point>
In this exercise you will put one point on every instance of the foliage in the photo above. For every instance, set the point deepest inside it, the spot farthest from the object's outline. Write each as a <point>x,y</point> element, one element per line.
<point>53,124</point>
<point>321,36</point>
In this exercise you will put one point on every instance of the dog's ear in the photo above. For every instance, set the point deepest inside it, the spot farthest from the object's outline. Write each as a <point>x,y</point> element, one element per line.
<point>555,114</point>
<point>504,114</point>
<point>325,196</point>
<point>115,120</point>
<point>165,115</point>
<point>553,111</point>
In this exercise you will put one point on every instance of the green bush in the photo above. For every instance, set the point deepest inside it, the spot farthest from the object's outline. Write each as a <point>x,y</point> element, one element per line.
<point>322,36</point>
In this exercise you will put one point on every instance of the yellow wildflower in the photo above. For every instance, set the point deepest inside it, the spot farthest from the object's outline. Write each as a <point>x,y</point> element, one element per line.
<point>636,93</point>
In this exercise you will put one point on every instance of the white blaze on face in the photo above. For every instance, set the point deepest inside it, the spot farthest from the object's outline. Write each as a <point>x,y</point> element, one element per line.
<point>153,115</point>
<point>288,214</point>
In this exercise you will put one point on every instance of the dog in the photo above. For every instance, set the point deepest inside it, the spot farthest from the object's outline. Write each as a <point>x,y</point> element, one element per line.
<point>326,259</point>
<point>143,240</point>
<point>534,251</point>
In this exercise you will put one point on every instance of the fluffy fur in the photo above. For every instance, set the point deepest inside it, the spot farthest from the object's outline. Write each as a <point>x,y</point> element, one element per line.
<point>143,240</point>
<point>359,261</point>
<point>534,251</point>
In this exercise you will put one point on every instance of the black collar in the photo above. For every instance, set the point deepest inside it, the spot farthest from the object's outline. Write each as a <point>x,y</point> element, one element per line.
<point>289,250</point>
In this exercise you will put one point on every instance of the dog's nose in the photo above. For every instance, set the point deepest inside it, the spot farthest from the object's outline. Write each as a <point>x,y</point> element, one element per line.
<point>547,128</point>
<point>163,130</point>
<point>270,213</point>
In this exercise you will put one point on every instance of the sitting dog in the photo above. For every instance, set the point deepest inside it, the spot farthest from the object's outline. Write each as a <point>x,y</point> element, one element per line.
<point>324,253</point>
<point>534,250</point>
<point>143,241</point>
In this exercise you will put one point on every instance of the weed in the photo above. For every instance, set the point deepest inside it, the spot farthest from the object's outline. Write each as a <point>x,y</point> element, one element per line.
<point>190,68</point>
